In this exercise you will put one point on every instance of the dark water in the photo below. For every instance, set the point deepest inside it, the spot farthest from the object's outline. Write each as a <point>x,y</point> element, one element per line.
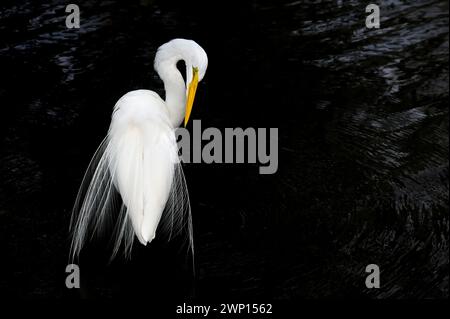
<point>363,124</point>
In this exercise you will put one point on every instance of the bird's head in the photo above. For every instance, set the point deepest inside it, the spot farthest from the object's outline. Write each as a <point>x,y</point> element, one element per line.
<point>196,62</point>
<point>196,65</point>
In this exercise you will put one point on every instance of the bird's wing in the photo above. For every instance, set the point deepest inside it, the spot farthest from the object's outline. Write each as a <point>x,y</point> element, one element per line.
<point>177,218</point>
<point>98,204</point>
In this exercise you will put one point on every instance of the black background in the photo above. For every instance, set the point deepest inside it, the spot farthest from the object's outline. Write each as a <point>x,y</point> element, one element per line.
<point>363,147</point>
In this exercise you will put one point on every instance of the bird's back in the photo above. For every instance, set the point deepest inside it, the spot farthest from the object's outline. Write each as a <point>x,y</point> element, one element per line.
<point>142,163</point>
<point>139,106</point>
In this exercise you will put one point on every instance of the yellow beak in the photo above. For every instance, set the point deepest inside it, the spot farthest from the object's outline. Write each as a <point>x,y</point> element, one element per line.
<point>191,95</point>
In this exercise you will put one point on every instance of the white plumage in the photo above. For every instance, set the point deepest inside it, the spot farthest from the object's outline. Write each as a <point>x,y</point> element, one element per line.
<point>138,160</point>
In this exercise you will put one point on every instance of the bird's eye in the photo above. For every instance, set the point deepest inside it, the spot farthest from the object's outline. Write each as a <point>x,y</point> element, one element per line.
<point>181,66</point>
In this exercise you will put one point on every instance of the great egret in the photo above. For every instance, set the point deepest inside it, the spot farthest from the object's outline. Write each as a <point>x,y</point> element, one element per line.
<point>138,159</point>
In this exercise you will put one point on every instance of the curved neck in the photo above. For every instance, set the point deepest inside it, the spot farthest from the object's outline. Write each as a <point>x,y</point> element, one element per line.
<point>175,91</point>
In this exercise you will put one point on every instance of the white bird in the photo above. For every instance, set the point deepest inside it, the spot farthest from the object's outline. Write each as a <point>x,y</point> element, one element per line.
<point>138,159</point>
